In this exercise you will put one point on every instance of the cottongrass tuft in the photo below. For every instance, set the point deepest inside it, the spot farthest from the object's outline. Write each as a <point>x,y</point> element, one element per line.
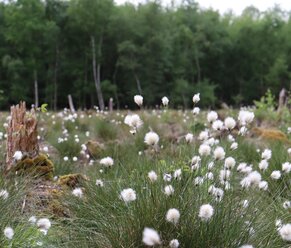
<point>169,190</point>
<point>285,232</point>
<point>78,192</point>
<point>107,162</point>
<point>152,176</point>
<point>174,243</point>
<point>206,211</point>
<point>150,237</point>
<point>128,195</point>
<point>151,138</point>
<point>8,232</point>
<point>44,225</point>
<point>173,215</point>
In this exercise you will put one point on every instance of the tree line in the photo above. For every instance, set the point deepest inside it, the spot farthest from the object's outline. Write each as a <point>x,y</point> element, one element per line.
<point>96,50</point>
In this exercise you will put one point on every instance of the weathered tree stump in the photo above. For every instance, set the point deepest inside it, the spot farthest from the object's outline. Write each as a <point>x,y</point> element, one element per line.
<point>21,133</point>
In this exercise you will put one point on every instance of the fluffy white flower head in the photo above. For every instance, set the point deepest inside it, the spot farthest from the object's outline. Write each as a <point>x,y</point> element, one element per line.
<point>151,138</point>
<point>8,232</point>
<point>150,237</point>
<point>4,194</point>
<point>229,123</point>
<point>204,150</point>
<point>276,175</point>
<point>138,99</point>
<point>285,232</point>
<point>78,192</point>
<point>44,225</point>
<point>169,190</point>
<point>17,155</point>
<point>152,176</point>
<point>128,195</point>
<point>219,153</point>
<point>189,137</point>
<point>173,215</point>
<point>165,101</point>
<point>206,212</point>
<point>267,154</point>
<point>107,162</point>
<point>229,163</point>
<point>174,243</point>
<point>212,116</point>
<point>196,98</point>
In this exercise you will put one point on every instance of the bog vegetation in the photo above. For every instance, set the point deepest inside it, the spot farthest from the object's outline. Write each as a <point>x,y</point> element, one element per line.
<point>151,178</point>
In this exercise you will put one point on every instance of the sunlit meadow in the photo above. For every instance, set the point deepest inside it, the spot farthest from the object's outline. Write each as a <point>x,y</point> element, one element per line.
<point>152,178</point>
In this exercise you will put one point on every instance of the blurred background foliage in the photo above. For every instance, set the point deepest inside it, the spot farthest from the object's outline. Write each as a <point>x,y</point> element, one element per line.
<point>146,49</point>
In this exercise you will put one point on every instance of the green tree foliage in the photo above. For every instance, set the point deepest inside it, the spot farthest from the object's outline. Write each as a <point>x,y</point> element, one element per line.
<point>95,50</point>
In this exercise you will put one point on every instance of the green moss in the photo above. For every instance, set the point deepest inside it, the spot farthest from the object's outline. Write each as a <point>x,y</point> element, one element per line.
<point>39,166</point>
<point>71,180</point>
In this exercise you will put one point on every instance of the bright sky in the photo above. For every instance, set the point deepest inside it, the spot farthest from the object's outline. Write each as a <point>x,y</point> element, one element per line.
<point>236,5</point>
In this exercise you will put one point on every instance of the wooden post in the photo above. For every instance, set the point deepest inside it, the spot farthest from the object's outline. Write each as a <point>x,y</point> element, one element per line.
<point>282,99</point>
<point>71,104</point>
<point>21,133</point>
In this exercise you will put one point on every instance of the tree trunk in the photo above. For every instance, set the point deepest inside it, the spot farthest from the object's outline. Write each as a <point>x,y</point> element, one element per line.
<point>71,104</point>
<point>56,79</point>
<point>96,71</point>
<point>138,84</point>
<point>36,102</point>
<point>115,90</point>
<point>21,134</point>
<point>198,67</point>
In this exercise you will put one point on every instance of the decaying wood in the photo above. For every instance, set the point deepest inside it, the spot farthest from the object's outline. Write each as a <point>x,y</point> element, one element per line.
<point>21,133</point>
<point>110,105</point>
<point>282,99</point>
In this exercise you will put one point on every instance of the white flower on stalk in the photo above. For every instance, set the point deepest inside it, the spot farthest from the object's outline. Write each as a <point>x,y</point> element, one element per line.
<point>99,183</point>
<point>287,204</point>
<point>210,165</point>
<point>8,232</point>
<point>286,167</point>
<point>241,167</point>
<point>204,150</point>
<point>17,155</point>
<point>165,101</point>
<point>246,246</point>
<point>66,158</point>
<point>206,211</point>
<point>285,232</point>
<point>219,153</point>
<point>217,125</point>
<point>245,117</point>
<point>196,111</point>
<point>242,131</point>
<point>289,151</point>
<point>128,195</point>
<point>138,99</point>
<point>196,98</point>
<point>152,176</point>
<point>151,138</point>
<point>276,175</point>
<point>78,192</point>
<point>267,154</point>
<point>229,123</point>
<point>32,220</point>
<point>209,176</point>
<point>224,175</point>
<point>263,185</point>
<point>203,135</point>
<point>169,190</point>
<point>44,225</point>
<point>234,146</point>
<point>173,215</point>
<point>212,116</point>
<point>263,165</point>
<point>150,237</point>
<point>4,194</point>
<point>198,181</point>
<point>107,162</point>
<point>133,121</point>
<point>177,174</point>
<point>174,243</point>
<point>229,163</point>
<point>167,177</point>
<point>189,137</point>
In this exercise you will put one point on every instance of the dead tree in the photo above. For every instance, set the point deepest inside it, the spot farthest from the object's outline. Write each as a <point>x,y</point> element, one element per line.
<point>21,133</point>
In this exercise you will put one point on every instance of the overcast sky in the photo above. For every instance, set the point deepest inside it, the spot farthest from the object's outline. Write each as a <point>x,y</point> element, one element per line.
<point>236,5</point>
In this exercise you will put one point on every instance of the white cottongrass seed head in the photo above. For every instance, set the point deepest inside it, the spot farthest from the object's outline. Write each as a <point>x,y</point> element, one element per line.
<point>150,237</point>
<point>219,153</point>
<point>165,101</point>
<point>8,232</point>
<point>285,232</point>
<point>17,155</point>
<point>78,192</point>
<point>44,225</point>
<point>138,99</point>
<point>169,190</point>
<point>206,211</point>
<point>152,176</point>
<point>107,162</point>
<point>151,138</point>
<point>212,116</point>
<point>196,98</point>
<point>173,215</point>
<point>128,195</point>
<point>229,123</point>
<point>174,243</point>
